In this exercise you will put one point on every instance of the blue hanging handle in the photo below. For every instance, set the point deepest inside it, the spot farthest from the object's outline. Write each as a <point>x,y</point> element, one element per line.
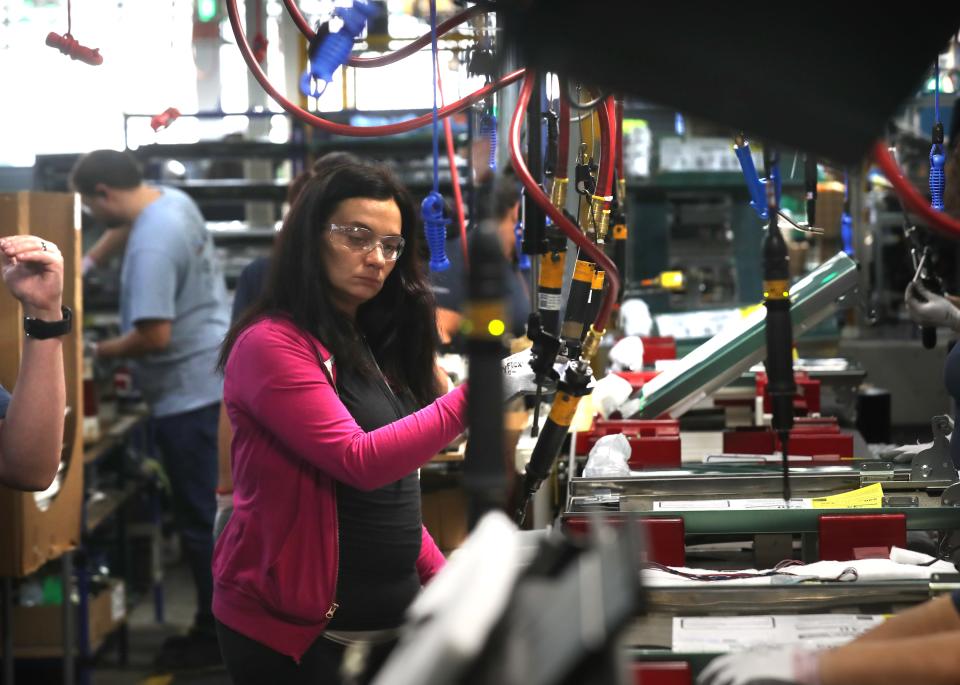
<point>333,51</point>
<point>846,221</point>
<point>488,128</point>
<point>755,186</point>
<point>937,175</point>
<point>523,259</point>
<point>435,228</point>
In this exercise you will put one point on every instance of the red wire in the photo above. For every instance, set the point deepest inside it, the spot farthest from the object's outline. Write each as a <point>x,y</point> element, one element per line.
<point>558,217</point>
<point>454,175</point>
<point>395,56</point>
<point>909,195</point>
<point>619,138</point>
<point>345,129</point>
<point>563,142</point>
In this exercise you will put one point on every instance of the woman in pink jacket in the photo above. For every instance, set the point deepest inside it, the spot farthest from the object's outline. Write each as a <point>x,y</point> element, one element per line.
<point>330,386</point>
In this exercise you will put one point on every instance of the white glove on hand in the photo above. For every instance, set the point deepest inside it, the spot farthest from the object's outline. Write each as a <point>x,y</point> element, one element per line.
<point>929,309</point>
<point>518,376</point>
<point>775,666</point>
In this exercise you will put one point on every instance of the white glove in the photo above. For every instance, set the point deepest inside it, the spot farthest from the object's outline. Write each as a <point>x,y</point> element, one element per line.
<point>610,392</point>
<point>518,376</point>
<point>774,666</point>
<point>929,309</point>
<point>627,354</point>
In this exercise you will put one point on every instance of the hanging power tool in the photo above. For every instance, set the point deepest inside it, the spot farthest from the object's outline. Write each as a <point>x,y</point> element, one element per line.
<point>779,325</point>
<point>921,257</point>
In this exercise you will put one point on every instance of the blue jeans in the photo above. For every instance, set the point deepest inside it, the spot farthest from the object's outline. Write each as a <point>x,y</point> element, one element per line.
<point>188,443</point>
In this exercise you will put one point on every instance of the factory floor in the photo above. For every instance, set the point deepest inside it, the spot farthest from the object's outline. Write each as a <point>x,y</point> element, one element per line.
<point>146,636</point>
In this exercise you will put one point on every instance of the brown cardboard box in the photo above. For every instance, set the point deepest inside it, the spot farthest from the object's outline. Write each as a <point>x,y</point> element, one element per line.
<point>445,515</point>
<point>38,631</point>
<point>30,537</point>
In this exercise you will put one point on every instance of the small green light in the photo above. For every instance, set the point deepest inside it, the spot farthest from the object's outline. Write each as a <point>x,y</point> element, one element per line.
<point>206,10</point>
<point>496,327</point>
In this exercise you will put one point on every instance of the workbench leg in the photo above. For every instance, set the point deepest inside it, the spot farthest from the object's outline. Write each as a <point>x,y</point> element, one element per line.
<point>68,617</point>
<point>123,553</point>
<point>83,624</point>
<point>6,624</point>
<point>157,555</point>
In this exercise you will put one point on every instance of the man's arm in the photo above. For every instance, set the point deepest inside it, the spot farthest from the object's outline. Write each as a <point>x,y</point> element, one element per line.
<point>929,659</point>
<point>110,242</point>
<point>31,436</point>
<point>148,336</point>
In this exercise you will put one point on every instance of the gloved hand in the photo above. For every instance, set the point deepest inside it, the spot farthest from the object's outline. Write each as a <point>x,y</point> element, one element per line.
<point>518,376</point>
<point>775,666</point>
<point>929,309</point>
<point>224,511</point>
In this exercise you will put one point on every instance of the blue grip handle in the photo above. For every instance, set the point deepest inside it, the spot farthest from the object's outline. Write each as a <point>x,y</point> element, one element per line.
<point>758,196</point>
<point>488,128</point>
<point>335,49</point>
<point>846,232</point>
<point>937,177</point>
<point>435,228</point>
<point>523,259</point>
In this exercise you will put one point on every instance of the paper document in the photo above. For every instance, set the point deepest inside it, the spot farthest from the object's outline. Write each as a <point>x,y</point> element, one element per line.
<point>736,633</point>
<point>869,497</point>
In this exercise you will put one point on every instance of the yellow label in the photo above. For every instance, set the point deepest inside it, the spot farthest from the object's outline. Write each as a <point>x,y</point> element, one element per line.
<point>776,290</point>
<point>583,271</point>
<point>551,270</point>
<point>597,280</point>
<point>564,409</point>
<point>479,317</point>
<point>869,497</point>
<point>671,279</point>
<point>620,232</point>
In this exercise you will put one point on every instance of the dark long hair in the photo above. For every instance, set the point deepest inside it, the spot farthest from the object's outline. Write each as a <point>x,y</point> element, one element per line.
<point>399,323</point>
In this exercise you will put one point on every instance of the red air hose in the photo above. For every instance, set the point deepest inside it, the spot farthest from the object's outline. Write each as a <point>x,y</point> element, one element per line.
<point>558,217</point>
<point>397,55</point>
<point>911,199</point>
<point>454,175</point>
<point>605,113</point>
<point>345,129</point>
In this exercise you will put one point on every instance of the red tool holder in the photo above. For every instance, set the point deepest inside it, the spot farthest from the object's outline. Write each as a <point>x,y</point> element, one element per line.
<point>657,348</point>
<point>637,379</point>
<point>661,673</point>
<point>807,400</point>
<point>844,537</point>
<point>819,438</point>
<point>654,443</point>
<point>663,538</point>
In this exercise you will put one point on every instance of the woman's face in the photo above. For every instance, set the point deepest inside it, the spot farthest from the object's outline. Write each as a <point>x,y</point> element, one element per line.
<point>362,246</point>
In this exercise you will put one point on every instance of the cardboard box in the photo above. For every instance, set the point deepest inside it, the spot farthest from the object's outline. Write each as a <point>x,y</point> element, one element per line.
<point>29,537</point>
<point>445,516</point>
<point>38,631</point>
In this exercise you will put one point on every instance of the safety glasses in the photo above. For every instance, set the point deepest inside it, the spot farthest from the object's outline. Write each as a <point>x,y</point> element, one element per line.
<point>362,239</point>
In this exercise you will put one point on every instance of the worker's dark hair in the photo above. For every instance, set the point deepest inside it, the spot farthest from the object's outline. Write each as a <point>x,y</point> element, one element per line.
<point>111,168</point>
<point>399,323</point>
<point>498,196</point>
<point>322,164</point>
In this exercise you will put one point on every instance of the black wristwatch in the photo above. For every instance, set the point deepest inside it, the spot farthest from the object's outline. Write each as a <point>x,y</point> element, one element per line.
<point>39,329</point>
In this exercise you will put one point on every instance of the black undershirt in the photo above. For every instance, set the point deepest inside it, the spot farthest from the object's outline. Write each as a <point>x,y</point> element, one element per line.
<point>379,530</point>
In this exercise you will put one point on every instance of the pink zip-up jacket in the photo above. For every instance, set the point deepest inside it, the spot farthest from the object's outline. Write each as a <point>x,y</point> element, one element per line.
<point>275,565</point>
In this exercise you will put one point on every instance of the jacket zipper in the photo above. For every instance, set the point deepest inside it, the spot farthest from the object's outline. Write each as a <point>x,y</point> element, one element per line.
<point>336,569</point>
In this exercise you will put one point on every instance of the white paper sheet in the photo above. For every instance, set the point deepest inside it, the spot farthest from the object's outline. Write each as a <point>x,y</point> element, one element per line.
<point>731,504</point>
<point>737,633</point>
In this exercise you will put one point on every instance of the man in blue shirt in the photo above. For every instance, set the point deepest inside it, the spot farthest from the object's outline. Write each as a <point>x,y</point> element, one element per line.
<point>31,420</point>
<point>173,317</point>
